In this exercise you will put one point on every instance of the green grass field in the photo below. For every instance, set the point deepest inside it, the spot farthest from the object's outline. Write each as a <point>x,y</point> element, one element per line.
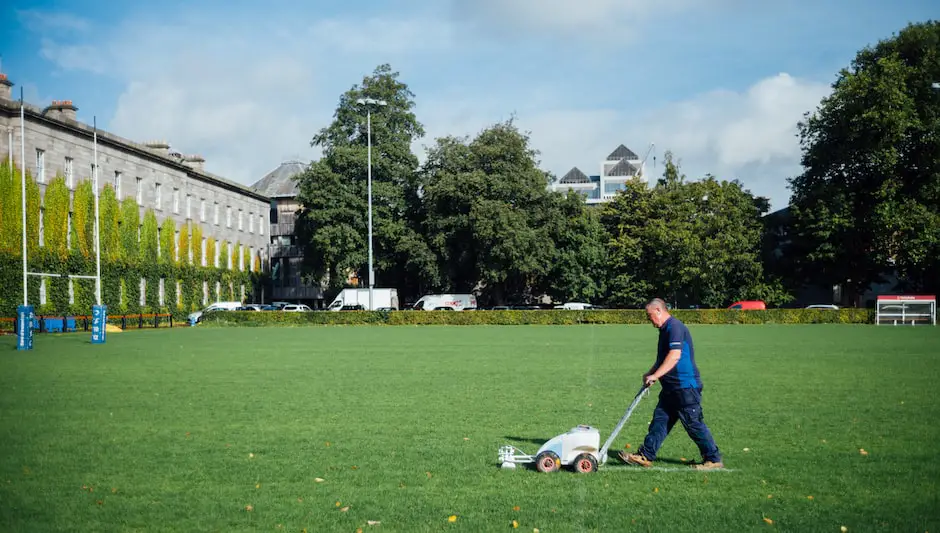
<point>230,429</point>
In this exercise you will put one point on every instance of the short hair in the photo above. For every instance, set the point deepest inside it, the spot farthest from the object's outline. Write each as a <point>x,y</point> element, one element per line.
<point>657,302</point>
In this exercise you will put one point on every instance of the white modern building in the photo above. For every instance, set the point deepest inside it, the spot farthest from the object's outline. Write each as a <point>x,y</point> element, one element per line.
<point>621,165</point>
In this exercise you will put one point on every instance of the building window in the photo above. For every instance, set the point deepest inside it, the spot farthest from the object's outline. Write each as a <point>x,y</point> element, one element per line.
<point>241,226</point>
<point>117,184</point>
<point>176,200</point>
<point>228,216</point>
<point>261,224</point>
<point>202,209</point>
<point>177,247</point>
<point>189,206</point>
<point>42,227</point>
<point>140,191</point>
<point>215,213</point>
<point>251,222</point>
<point>157,200</point>
<point>41,165</point>
<point>204,259</point>
<point>69,173</point>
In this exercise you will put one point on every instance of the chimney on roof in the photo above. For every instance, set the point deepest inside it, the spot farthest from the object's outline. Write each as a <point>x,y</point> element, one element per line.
<point>161,147</point>
<point>195,161</point>
<point>61,110</point>
<point>6,85</point>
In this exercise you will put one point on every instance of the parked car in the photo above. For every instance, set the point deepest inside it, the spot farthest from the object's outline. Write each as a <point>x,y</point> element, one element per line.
<point>823,306</point>
<point>295,308</point>
<point>748,305</point>
<point>195,317</point>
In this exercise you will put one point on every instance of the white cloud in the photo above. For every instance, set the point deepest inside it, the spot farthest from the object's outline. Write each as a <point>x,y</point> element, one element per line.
<point>615,18</point>
<point>749,135</point>
<point>246,104</point>
<point>39,20</point>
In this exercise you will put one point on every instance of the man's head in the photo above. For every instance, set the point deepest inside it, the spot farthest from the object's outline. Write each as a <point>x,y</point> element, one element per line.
<point>656,312</point>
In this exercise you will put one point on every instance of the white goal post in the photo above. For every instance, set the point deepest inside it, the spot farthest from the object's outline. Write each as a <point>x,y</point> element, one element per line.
<point>906,309</point>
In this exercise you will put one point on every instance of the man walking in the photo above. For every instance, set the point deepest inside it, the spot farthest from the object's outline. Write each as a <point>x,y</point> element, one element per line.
<point>681,395</point>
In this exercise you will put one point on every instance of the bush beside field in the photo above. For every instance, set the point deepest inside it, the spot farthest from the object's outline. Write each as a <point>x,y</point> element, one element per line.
<point>546,317</point>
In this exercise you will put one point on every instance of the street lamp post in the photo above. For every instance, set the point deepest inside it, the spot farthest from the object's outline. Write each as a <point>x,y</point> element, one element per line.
<point>369,102</point>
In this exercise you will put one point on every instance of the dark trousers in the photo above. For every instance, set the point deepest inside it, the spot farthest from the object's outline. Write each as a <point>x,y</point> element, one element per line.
<point>684,405</point>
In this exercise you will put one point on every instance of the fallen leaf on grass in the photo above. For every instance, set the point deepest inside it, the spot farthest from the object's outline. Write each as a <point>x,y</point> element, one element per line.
<point>769,521</point>
<point>535,530</point>
<point>809,497</point>
<point>327,444</point>
<point>862,451</point>
<point>250,455</point>
<point>747,449</point>
<point>358,530</point>
<point>318,479</point>
<point>300,500</point>
<point>258,485</point>
<point>429,475</point>
<point>373,522</point>
<point>100,502</point>
<point>338,504</point>
<point>452,518</point>
<point>627,446</point>
<point>113,491</point>
<point>354,467</point>
<point>770,496</point>
<point>683,459</point>
<point>344,509</point>
<point>843,529</point>
<point>249,508</point>
<point>516,508</point>
<point>466,438</point>
<point>656,489</point>
<point>515,524</point>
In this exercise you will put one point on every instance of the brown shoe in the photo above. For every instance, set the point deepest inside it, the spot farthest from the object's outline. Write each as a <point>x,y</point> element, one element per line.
<point>709,465</point>
<point>635,459</point>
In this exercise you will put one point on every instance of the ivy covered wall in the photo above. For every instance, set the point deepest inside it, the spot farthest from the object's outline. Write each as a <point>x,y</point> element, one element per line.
<point>131,250</point>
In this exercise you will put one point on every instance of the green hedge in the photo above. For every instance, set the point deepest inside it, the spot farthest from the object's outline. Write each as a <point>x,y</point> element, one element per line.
<point>547,317</point>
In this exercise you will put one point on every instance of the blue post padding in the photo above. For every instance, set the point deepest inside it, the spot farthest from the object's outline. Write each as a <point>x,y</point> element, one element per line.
<point>99,322</point>
<point>24,333</point>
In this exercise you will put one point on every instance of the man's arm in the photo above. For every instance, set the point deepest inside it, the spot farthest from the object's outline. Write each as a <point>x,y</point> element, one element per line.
<point>671,360</point>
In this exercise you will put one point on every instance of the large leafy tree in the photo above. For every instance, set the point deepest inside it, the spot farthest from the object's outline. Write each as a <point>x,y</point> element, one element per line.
<point>490,218</point>
<point>333,191</point>
<point>691,242</point>
<point>868,201</point>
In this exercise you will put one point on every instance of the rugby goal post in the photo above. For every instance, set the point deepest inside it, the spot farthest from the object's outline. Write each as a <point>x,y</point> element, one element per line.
<point>906,309</point>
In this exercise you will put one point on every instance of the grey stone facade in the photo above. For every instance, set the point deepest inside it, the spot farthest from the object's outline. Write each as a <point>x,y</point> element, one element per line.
<point>171,184</point>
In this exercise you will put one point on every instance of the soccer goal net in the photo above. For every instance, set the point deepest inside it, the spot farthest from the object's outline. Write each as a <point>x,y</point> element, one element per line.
<point>905,309</point>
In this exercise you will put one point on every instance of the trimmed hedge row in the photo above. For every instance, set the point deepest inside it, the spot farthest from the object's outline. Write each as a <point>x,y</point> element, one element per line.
<point>547,317</point>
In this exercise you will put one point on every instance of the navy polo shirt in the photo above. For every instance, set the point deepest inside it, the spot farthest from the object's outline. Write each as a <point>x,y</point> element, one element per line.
<point>674,335</point>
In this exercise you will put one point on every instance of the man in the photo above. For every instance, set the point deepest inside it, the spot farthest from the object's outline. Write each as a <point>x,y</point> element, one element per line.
<point>681,395</point>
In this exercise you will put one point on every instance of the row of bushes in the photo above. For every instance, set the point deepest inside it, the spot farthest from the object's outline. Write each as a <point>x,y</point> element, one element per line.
<point>548,317</point>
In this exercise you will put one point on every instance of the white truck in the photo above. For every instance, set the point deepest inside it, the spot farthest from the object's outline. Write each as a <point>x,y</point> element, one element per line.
<point>452,302</point>
<point>381,299</point>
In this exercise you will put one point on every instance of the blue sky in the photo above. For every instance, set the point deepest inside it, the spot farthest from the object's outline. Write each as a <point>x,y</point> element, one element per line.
<point>720,83</point>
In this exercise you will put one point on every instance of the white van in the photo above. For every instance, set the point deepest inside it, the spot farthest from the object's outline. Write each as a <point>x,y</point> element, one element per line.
<point>447,302</point>
<point>217,306</point>
<point>574,306</point>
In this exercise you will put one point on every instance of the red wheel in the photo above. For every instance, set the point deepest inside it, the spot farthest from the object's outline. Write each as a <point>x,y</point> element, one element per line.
<point>585,463</point>
<point>547,462</point>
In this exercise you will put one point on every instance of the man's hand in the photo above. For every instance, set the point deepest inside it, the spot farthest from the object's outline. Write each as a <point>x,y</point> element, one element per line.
<point>648,380</point>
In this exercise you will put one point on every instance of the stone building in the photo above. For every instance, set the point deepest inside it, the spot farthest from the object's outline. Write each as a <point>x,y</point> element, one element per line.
<point>158,177</point>
<point>287,282</point>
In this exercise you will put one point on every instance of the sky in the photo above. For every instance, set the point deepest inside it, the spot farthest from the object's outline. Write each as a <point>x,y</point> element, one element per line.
<point>721,84</point>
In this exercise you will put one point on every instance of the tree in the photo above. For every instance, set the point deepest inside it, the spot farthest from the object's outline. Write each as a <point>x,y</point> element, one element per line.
<point>56,217</point>
<point>83,219</point>
<point>210,253</point>
<point>130,227</point>
<point>197,245</point>
<point>692,243</point>
<point>868,201</point>
<point>489,215</point>
<point>578,272</point>
<point>332,224</point>
<point>184,246</point>
<point>148,240</point>
<point>168,241</point>
<point>110,212</point>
